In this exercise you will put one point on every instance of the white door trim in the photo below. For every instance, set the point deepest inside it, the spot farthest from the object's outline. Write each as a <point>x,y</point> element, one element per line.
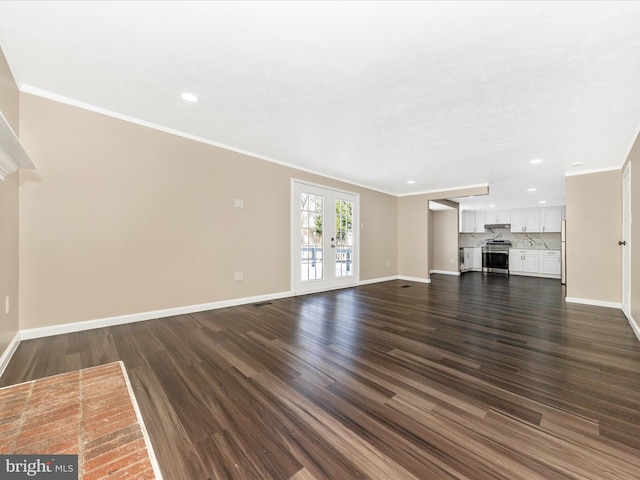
<point>351,281</point>
<point>626,237</point>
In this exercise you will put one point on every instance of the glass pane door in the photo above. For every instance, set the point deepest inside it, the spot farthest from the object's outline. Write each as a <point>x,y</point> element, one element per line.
<point>344,238</point>
<point>324,239</point>
<point>311,247</point>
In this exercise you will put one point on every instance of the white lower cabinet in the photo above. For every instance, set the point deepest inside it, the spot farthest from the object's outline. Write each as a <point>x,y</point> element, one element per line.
<point>471,259</point>
<point>539,263</point>
<point>467,260</point>
<point>523,261</point>
<point>550,262</point>
<point>477,259</point>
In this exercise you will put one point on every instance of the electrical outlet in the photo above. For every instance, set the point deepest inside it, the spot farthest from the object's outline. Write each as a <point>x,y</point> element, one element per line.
<point>238,276</point>
<point>7,304</point>
<point>238,203</point>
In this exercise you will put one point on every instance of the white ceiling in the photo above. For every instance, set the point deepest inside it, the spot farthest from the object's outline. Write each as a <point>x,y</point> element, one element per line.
<point>447,94</point>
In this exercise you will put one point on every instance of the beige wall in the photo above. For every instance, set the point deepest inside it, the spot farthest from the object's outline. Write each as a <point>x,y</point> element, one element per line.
<point>120,219</point>
<point>413,237</point>
<point>634,160</point>
<point>416,232</point>
<point>594,220</point>
<point>445,241</point>
<point>8,217</point>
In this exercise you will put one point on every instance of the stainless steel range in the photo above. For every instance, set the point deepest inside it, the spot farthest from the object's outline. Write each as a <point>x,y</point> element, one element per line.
<point>495,256</point>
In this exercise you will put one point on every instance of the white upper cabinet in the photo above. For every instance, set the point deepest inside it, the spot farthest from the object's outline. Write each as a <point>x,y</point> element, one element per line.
<point>497,216</point>
<point>550,219</point>
<point>479,222</point>
<point>467,221</point>
<point>525,220</point>
<point>471,221</point>
<point>536,220</point>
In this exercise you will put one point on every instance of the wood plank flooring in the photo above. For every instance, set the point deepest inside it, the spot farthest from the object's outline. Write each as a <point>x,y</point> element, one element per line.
<point>471,377</point>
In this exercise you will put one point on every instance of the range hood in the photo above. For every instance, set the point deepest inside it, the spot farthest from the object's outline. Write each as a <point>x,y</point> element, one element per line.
<point>495,226</point>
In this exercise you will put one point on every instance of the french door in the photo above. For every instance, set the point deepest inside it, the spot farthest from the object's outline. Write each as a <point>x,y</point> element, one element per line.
<point>626,241</point>
<point>324,238</point>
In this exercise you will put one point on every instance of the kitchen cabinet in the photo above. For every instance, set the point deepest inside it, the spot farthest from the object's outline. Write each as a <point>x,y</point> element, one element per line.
<point>523,261</point>
<point>550,262</point>
<point>497,216</point>
<point>477,259</point>
<point>467,259</point>
<point>525,220</point>
<point>550,219</point>
<point>470,259</point>
<point>467,221</point>
<point>479,222</point>
<point>538,263</point>
<point>536,220</point>
<point>471,221</point>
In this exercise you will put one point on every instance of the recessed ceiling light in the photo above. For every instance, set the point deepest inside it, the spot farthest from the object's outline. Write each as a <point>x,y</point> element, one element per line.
<point>531,189</point>
<point>411,182</point>
<point>543,201</point>
<point>576,164</point>
<point>492,205</point>
<point>189,97</point>
<point>537,160</point>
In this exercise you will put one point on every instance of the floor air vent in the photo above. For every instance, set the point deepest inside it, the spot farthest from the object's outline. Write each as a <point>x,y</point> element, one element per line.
<point>405,286</point>
<point>261,304</point>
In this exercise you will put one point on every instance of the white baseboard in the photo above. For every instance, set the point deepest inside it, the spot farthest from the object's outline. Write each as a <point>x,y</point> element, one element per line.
<point>539,275</point>
<point>596,303</point>
<point>138,317</point>
<point>634,325</point>
<point>414,279</point>
<point>378,280</point>
<point>9,351</point>
<point>143,428</point>
<point>41,332</point>
<point>445,272</point>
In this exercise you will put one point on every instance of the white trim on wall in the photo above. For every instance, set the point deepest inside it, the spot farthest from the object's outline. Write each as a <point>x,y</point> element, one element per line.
<point>634,326</point>
<point>595,303</point>
<point>589,172</point>
<point>12,154</point>
<point>138,317</point>
<point>143,428</point>
<point>39,92</point>
<point>41,332</point>
<point>414,279</point>
<point>378,280</point>
<point>448,189</point>
<point>9,351</point>
<point>445,272</point>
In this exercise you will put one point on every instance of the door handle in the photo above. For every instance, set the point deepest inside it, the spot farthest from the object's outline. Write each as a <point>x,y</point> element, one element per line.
<point>622,242</point>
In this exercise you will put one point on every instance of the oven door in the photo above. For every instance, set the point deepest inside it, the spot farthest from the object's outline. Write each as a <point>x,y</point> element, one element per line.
<point>495,260</point>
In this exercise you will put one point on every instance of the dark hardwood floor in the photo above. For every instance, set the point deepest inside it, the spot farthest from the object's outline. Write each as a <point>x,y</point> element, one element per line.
<point>470,377</point>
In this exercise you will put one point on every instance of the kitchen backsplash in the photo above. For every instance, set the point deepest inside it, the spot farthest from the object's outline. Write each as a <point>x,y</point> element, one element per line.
<point>537,241</point>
